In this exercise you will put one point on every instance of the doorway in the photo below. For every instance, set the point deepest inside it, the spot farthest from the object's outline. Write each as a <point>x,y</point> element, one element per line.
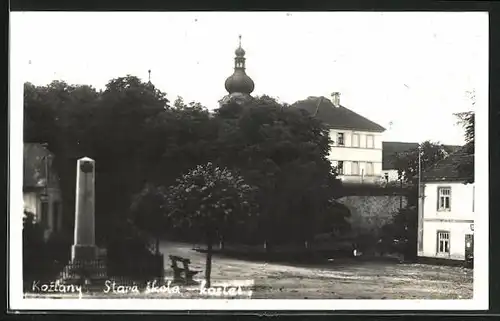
<point>469,247</point>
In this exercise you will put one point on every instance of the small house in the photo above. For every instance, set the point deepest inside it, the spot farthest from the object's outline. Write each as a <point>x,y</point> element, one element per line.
<point>446,215</point>
<point>41,190</point>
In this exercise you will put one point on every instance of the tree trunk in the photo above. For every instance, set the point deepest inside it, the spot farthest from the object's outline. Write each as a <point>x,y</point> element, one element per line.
<point>208,268</point>
<point>221,243</point>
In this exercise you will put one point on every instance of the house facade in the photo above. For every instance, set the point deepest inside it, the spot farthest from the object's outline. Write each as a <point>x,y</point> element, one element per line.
<point>446,212</point>
<point>356,151</point>
<point>357,155</point>
<point>41,190</point>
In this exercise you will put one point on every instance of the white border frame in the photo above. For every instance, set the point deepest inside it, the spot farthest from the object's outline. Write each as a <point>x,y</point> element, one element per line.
<point>480,300</point>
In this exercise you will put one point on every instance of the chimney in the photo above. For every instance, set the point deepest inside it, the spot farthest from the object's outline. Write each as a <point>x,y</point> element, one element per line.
<point>336,99</point>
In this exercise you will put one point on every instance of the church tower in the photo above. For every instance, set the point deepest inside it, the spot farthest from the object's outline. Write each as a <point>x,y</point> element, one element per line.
<point>239,85</point>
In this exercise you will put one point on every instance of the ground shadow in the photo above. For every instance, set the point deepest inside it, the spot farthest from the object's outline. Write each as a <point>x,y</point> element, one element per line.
<point>301,258</point>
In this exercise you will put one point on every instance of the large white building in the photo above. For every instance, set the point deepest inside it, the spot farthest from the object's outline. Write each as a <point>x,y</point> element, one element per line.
<point>41,191</point>
<point>356,151</point>
<point>446,215</point>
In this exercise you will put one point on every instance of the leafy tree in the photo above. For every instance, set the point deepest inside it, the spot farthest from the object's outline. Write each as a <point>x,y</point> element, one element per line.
<point>109,126</point>
<point>148,211</point>
<point>466,166</point>
<point>32,231</point>
<point>209,198</point>
<point>403,228</point>
<point>39,120</point>
<point>33,246</point>
<point>137,137</point>
<point>117,138</point>
<point>181,137</point>
<point>467,120</point>
<point>282,151</point>
<point>407,162</point>
<point>57,115</point>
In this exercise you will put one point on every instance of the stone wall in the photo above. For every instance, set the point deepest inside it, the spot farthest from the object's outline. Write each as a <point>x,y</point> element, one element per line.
<point>370,213</point>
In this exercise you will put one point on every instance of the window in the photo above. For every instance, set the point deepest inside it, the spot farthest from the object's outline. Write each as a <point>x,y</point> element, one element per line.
<point>443,242</point>
<point>369,141</point>
<point>340,139</point>
<point>444,199</point>
<point>355,168</point>
<point>44,216</point>
<point>355,140</point>
<point>340,167</point>
<point>369,169</point>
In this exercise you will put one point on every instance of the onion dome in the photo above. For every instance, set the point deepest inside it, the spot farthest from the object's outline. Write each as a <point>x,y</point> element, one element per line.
<point>240,52</point>
<point>239,82</point>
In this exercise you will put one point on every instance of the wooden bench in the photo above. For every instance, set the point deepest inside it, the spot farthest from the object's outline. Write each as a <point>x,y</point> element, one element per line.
<point>178,271</point>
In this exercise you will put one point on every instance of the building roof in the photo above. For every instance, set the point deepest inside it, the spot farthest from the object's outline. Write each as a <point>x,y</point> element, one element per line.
<point>337,117</point>
<point>446,169</point>
<point>391,149</point>
<point>34,166</point>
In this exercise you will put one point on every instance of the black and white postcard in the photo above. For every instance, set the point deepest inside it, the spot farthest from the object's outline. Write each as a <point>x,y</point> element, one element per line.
<point>248,161</point>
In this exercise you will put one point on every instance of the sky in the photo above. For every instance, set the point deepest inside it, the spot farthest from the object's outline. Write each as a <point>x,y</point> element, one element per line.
<point>408,72</point>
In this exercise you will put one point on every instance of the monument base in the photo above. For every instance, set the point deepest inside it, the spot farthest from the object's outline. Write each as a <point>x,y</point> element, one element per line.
<point>82,252</point>
<point>91,273</point>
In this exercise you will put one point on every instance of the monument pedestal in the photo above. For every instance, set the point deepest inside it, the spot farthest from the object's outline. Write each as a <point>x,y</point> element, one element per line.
<point>83,252</point>
<point>87,267</point>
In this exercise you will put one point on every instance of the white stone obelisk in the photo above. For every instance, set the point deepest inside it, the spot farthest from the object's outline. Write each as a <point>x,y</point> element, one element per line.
<point>84,248</point>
